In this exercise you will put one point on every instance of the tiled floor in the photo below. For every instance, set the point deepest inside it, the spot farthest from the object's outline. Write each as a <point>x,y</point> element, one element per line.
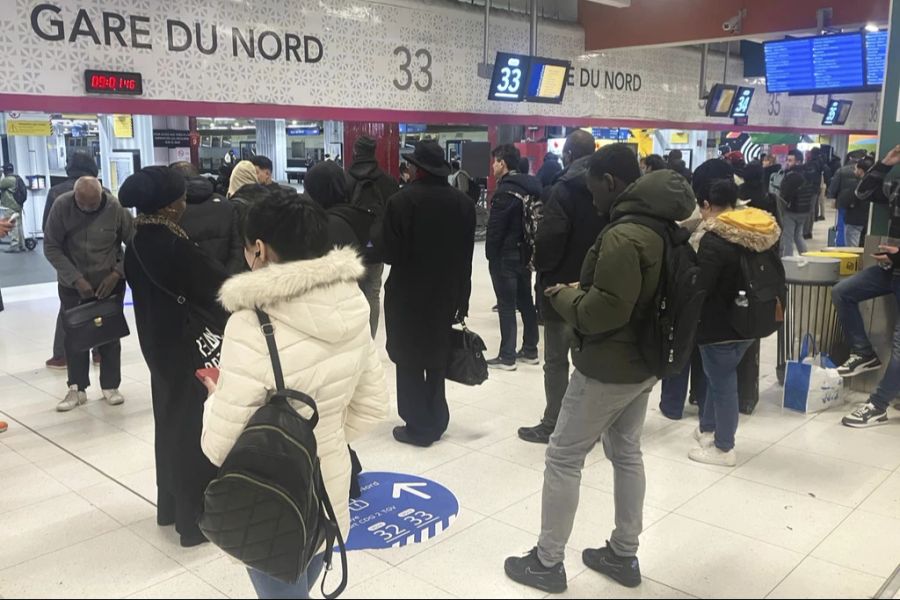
<point>813,510</point>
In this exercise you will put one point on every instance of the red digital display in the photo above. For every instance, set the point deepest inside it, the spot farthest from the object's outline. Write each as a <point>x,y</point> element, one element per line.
<point>113,82</point>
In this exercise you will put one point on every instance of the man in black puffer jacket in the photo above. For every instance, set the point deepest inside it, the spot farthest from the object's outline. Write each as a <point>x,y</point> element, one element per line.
<point>569,228</point>
<point>211,221</point>
<point>508,256</point>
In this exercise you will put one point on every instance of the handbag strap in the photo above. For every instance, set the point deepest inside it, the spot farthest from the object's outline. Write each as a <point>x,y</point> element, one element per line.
<point>180,299</point>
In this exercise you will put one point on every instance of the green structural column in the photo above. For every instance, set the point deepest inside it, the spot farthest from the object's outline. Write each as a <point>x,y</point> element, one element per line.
<point>889,132</point>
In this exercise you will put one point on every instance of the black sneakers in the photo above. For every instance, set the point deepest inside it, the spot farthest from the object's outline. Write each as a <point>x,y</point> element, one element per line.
<point>539,434</point>
<point>498,363</point>
<point>622,569</point>
<point>528,570</point>
<point>528,359</point>
<point>867,415</point>
<point>858,364</point>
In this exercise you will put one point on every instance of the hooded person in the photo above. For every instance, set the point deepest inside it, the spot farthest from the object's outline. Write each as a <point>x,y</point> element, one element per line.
<point>210,220</point>
<point>326,185</point>
<point>370,187</point>
<point>550,168</point>
<point>244,173</point>
<point>754,191</point>
<point>180,324</point>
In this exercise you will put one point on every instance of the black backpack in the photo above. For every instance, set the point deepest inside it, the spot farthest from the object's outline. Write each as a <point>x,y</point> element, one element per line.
<point>763,280</point>
<point>20,194</point>
<point>667,335</point>
<point>368,199</point>
<point>268,507</point>
<point>366,226</point>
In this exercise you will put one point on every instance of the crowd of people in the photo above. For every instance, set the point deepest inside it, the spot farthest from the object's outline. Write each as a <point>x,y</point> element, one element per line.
<point>205,259</point>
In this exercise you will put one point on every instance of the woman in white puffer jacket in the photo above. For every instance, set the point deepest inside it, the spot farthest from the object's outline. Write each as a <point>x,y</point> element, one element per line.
<point>321,324</point>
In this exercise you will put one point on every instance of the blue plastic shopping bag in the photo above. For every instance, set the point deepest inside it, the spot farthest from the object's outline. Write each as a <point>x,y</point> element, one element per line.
<point>811,383</point>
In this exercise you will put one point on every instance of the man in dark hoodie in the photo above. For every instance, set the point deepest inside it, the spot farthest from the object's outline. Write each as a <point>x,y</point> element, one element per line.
<point>80,165</point>
<point>567,231</point>
<point>608,393</point>
<point>550,169</point>
<point>369,186</point>
<point>211,221</point>
<point>508,256</point>
<point>326,185</point>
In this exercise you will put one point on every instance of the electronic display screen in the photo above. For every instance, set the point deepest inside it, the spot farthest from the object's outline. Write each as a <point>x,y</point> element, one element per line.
<point>721,100</point>
<point>836,112</point>
<point>876,57</point>
<point>741,106</point>
<point>829,63</point>
<point>113,82</point>
<point>547,80</point>
<point>510,80</point>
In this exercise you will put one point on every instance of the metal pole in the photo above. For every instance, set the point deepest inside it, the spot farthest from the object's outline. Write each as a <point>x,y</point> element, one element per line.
<point>487,24</point>
<point>727,56</point>
<point>704,57</point>
<point>534,27</point>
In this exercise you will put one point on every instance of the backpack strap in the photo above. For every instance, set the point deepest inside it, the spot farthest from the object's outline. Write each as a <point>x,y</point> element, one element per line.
<point>332,533</point>
<point>282,394</point>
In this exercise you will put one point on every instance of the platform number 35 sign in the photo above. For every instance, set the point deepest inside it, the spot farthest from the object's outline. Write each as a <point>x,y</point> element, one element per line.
<point>418,74</point>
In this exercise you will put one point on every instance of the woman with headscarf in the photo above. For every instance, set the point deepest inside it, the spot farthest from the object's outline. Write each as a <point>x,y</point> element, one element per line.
<point>175,287</point>
<point>244,173</point>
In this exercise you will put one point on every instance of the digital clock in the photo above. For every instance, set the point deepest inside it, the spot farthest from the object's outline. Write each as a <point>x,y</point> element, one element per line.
<point>113,82</point>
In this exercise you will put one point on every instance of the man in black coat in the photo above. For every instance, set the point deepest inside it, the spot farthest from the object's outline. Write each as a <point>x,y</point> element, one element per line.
<point>369,186</point>
<point>509,254</point>
<point>429,238</point>
<point>569,228</point>
<point>211,221</point>
<point>80,165</point>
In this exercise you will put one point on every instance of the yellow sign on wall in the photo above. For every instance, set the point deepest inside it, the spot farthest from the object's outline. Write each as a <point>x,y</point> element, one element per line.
<point>22,127</point>
<point>680,137</point>
<point>123,126</point>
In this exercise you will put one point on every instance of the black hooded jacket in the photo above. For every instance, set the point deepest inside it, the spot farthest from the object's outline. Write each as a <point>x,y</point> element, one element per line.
<point>549,170</point>
<point>211,222</point>
<point>80,165</point>
<point>326,185</point>
<point>505,230</point>
<point>568,230</point>
<point>368,170</point>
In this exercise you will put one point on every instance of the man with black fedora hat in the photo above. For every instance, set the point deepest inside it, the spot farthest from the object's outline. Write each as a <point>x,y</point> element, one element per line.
<point>370,187</point>
<point>429,237</point>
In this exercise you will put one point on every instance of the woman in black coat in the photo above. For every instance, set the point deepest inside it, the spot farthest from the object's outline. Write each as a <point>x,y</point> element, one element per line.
<point>163,266</point>
<point>429,237</point>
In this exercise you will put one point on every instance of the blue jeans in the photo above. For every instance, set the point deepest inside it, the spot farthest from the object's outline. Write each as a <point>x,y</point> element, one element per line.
<point>675,388</point>
<point>269,587</point>
<point>792,232</point>
<point>512,285</point>
<point>720,414</point>
<point>873,282</point>
<point>852,235</point>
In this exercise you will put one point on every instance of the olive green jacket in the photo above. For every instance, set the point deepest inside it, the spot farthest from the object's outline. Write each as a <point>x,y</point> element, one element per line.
<point>619,278</point>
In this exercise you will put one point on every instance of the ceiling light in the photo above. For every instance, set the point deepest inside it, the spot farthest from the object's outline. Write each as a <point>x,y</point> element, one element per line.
<point>872,27</point>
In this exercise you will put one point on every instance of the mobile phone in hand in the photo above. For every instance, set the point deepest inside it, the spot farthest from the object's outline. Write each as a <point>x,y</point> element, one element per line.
<point>212,373</point>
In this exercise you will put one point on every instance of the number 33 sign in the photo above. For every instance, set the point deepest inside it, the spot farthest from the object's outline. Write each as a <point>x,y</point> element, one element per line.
<point>397,509</point>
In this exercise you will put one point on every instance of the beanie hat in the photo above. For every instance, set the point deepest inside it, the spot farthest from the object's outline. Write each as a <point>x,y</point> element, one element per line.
<point>152,189</point>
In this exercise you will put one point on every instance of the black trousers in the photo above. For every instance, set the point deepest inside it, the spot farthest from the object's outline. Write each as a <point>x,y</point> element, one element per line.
<point>79,363</point>
<point>422,402</point>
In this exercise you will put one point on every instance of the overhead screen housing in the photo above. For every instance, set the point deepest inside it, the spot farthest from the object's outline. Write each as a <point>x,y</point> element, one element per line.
<point>523,78</point>
<point>846,62</point>
<point>836,112</point>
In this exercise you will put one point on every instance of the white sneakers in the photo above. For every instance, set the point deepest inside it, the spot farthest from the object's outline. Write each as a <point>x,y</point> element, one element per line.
<point>708,454</point>
<point>113,397</point>
<point>74,399</point>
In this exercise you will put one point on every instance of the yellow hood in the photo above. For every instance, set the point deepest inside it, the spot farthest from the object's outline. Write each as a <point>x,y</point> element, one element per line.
<point>750,219</point>
<point>751,228</point>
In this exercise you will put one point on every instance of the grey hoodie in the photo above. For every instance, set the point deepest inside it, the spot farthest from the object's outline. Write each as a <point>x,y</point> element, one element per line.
<point>86,245</point>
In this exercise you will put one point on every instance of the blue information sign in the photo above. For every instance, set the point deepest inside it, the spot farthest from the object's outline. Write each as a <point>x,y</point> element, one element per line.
<point>876,57</point>
<point>815,64</point>
<point>396,509</point>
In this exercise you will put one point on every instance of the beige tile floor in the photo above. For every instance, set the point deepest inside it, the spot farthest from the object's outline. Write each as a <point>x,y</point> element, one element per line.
<point>813,510</point>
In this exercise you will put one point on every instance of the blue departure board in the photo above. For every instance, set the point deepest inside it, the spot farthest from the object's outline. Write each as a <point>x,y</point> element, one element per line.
<point>813,65</point>
<point>876,57</point>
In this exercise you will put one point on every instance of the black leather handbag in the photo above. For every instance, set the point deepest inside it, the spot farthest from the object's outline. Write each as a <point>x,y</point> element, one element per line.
<point>466,363</point>
<point>95,323</point>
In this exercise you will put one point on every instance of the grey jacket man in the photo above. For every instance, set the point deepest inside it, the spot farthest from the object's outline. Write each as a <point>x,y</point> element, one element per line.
<point>86,245</point>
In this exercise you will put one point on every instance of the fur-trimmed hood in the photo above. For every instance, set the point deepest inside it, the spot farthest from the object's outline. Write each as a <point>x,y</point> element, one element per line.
<point>749,228</point>
<point>319,297</point>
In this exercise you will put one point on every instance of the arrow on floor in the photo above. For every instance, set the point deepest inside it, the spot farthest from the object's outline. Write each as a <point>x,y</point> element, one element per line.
<point>410,488</point>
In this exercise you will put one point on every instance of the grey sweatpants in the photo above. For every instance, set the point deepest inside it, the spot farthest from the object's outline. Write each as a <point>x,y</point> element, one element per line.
<point>370,284</point>
<point>593,411</point>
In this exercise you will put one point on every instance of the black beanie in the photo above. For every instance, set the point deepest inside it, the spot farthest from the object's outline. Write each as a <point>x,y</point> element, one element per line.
<point>152,189</point>
<point>364,147</point>
<point>708,172</point>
